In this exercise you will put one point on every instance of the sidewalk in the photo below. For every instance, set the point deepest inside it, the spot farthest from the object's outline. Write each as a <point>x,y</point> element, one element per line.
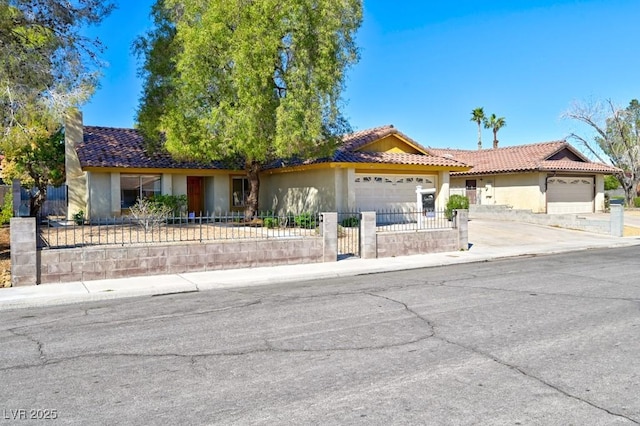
<point>489,240</point>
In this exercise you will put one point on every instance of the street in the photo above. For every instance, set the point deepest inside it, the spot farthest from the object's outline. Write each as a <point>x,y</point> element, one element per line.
<point>548,340</point>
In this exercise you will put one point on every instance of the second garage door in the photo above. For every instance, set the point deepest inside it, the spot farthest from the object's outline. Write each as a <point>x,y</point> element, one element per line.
<point>570,195</point>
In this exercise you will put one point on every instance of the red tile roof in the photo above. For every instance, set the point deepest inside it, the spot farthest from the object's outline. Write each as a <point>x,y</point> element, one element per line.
<point>523,158</point>
<point>115,147</point>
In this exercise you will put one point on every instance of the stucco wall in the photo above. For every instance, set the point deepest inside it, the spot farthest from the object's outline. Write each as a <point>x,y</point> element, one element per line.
<point>179,184</point>
<point>522,191</point>
<point>100,195</point>
<point>296,192</point>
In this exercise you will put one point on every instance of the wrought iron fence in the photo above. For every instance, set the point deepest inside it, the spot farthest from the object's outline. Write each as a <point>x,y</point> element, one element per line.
<point>348,234</point>
<point>127,230</point>
<point>400,220</point>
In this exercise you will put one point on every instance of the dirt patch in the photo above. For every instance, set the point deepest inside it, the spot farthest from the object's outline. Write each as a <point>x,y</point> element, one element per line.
<point>5,257</point>
<point>630,231</point>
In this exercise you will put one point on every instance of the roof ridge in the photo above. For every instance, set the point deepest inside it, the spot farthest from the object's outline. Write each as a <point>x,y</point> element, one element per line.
<point>130,129</point>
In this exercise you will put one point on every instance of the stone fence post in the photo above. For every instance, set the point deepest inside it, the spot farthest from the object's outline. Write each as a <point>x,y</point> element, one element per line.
<point>368,239</point>
<point>617,220</point>
<point>461,222</point>
<point>330,237</point>
<point>24,253</point>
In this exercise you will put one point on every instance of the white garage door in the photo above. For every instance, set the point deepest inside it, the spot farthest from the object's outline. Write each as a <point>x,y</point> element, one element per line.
<point>570,195</point>
<point>376,192</point>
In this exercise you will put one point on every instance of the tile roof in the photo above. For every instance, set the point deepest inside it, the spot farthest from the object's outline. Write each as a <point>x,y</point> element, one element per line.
<point>522,158</point>
<point>347,152</point>
<point>115,147</point>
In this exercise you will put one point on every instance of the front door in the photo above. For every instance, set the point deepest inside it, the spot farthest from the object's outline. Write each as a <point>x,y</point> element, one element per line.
<point>195,195</point>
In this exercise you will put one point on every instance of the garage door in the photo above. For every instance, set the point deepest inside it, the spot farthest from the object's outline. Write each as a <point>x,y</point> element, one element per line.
<point>570,195</point>
<point>389,192</point>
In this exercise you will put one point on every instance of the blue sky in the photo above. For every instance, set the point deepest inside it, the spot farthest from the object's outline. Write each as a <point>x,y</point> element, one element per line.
<point>425,64</point>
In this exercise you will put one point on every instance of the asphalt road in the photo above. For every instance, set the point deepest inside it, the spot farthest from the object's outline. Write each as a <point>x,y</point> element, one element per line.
<point>550,340</point>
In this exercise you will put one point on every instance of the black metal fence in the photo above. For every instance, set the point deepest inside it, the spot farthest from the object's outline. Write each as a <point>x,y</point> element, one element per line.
<point>399,220</point>
<point>348,234</point>
<point>127,230</point>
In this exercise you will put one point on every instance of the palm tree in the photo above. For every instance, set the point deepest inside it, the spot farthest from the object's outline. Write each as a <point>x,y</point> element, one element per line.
<point>478,116</point>
<point>494,123</point>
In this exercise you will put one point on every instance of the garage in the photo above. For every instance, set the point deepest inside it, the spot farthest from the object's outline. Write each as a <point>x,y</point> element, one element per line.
<point>378,192</point>
<point>567,194</point>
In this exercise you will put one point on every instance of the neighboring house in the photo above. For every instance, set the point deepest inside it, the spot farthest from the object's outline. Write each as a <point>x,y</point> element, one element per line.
<point>550,177</point>
<point>378,169</point>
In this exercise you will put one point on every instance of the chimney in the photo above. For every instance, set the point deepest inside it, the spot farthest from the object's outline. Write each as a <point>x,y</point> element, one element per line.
<point>479,145</point>
<point>76,179</point>
<point>73,135</point>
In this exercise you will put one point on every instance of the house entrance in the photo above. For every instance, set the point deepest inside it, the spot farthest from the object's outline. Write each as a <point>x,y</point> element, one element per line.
<point>195,195</point>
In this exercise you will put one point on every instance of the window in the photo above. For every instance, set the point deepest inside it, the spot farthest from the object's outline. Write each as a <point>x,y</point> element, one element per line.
<point>240,191</point>
<point>133,187</point>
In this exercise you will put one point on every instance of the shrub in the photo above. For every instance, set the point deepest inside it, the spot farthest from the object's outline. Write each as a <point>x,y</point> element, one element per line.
<point>611,182</point>
<point>149,213</point>
<point>270,222</point>
<point>79,218</point>
<point>7,209</point>
<point>305,220</point>
<point>175,203</point>
<point>455,202</point>
<point>350,222</point>
<point>636,202</point>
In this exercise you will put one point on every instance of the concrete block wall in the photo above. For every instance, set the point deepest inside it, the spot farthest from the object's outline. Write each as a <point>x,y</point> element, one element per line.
<point>569,221</point>
<point>106,262</point>
<point>31,266</point>
<point>24,253</point>
<point>392,244</point>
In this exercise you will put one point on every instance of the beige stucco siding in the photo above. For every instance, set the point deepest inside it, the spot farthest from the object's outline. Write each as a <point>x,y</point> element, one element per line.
<point>99,195</point>
<point>521,191</point>
<point>297,192</point>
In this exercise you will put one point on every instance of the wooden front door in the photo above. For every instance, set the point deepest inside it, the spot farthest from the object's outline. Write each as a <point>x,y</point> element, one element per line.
<point>195,195</point>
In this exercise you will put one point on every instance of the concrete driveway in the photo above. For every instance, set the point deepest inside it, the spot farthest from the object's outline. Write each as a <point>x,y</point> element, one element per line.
<point>504,234</point>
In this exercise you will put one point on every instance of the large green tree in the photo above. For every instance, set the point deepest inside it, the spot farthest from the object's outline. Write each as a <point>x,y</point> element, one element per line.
<point>255,80</point>
<point>47,66</point>
<point>614,136</point>
<point>477,115</point>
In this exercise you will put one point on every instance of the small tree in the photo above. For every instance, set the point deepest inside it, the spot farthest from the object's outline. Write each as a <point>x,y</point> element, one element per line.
<point>36,159</point>
<point>611,183</point>
<point>149,213</point>
<point>615,136</point>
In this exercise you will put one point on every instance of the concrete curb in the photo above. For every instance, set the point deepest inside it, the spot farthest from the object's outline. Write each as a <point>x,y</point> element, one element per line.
<point>92,291</point>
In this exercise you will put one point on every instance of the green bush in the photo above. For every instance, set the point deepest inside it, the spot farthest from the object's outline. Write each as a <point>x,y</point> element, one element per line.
<point>270,222</point>
<point>456,202</point>
<point>175,203</point>
<point>611,182</point>
<point>350,222</point>
<point>305,220</point>
<point>636,202</point>
<point>79,218</point>
<point>7,209</point>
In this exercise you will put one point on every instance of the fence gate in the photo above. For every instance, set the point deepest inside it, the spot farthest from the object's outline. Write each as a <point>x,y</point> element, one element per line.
<point>348,235</point>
